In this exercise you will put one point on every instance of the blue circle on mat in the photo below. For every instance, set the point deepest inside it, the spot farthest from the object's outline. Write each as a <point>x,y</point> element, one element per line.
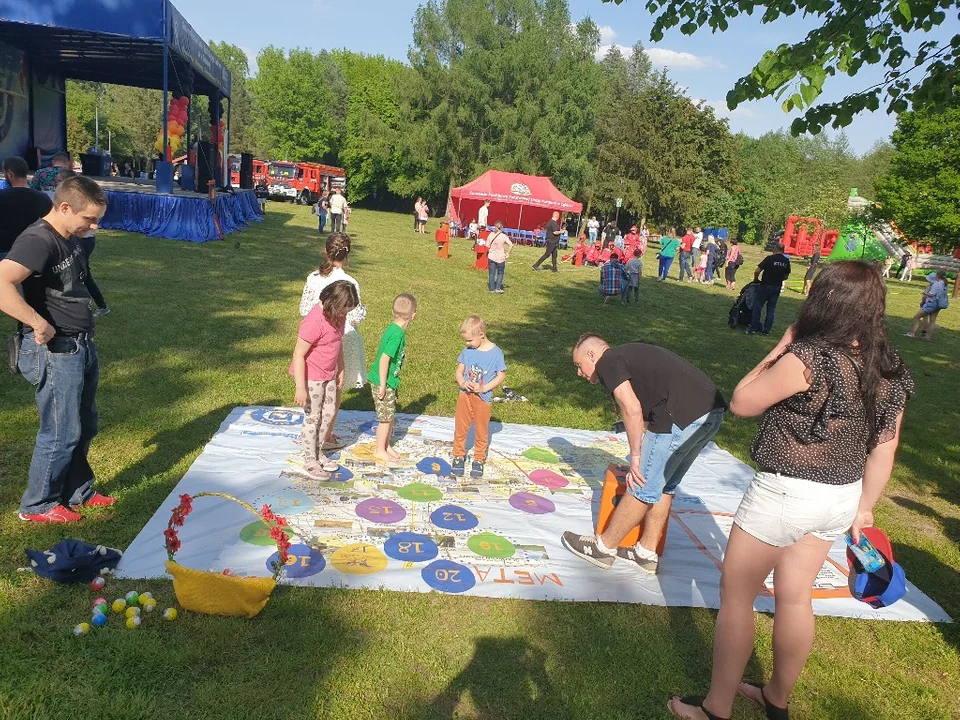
<point>434,466</point>
<point>342,474</point>
<point>288,502</point>
<point>303,562</point>
<point>410,547</point>
<point>448,576</point>
<point>272,416</point>
<point>453,517</point>
<point>368,428</point>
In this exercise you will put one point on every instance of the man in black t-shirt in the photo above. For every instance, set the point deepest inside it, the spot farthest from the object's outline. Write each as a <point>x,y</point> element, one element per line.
<point>20,206</point>
<point>553,233</point>
<point>58,356</point>
<point>770,273</point>
<point>670,410</point>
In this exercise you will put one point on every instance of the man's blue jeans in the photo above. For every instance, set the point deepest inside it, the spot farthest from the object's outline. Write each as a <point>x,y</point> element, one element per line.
<point>711,257</point>
<point>323,220</point>
<point>685,265</point>
<point>765,294</point>
<point>65,373</point>
<point>495,277</point>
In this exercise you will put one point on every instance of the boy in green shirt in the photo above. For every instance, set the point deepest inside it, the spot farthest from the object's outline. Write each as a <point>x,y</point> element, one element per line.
<point>384,375</point>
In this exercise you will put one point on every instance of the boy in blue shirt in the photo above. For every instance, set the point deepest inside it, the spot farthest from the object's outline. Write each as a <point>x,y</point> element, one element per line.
<point>480,369</point>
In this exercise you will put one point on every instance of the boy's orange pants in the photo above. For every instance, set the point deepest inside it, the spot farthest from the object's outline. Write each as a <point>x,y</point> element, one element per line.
<point>472,410</point>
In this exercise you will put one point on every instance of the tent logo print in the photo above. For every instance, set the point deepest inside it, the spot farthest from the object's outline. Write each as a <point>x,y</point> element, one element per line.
<point>519,189</point>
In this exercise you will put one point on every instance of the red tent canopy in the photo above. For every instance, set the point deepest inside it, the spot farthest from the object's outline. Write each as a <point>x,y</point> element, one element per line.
<point>519,201</point>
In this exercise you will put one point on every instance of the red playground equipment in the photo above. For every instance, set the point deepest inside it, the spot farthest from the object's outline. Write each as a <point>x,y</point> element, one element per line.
<point>802,233</point>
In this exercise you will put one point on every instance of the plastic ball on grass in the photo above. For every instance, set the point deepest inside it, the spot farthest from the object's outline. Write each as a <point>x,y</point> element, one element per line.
<point>82,629</point>
<point>132,597</point>
<point>132,612</point>
<point>133,622</point>
<point>144,597</point>
<point>170,614</point>
<point>119,605</point>
<point>99,601</point>
<point>150,605</point>
<point>102,608</point>
<point>99,620</point>
<point>97,583</point>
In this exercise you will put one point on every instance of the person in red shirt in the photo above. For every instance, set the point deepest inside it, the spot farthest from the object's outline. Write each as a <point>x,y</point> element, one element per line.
<point>593,254</point>
<point>686,252</point>
<point>631,241</point>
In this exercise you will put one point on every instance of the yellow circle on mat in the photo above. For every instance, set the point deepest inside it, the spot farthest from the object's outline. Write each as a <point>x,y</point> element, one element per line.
<point>364,451</point>
<point>359,559</point>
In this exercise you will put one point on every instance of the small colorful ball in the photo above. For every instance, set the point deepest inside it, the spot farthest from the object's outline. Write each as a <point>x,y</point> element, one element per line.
<point>99,619</point>
<point>99,601</point>
<point>81,629</point>
<point>102,608</point>
<point>145,596</point>
<point>170,614</point>
<point>132,612</point>
<point>132,597</point>
<point>133,622</point>
<point>97,584</point>
<point>150,605</point>
<point>119,605</point>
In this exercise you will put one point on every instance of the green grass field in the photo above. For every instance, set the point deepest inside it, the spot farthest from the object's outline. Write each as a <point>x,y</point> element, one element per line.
<point>198,329</point>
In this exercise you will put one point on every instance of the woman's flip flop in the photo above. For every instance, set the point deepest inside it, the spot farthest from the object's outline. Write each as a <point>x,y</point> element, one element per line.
<point>774,712</point>
<point>696,702</point>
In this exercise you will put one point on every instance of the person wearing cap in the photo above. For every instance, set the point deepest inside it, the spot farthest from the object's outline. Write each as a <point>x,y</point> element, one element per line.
<point>831,395</point>
<point>631,241</point>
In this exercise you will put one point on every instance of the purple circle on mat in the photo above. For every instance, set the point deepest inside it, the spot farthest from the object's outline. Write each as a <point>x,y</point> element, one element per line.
<point>379,510</point>
<point>533,504</point>
<point>548,478</point>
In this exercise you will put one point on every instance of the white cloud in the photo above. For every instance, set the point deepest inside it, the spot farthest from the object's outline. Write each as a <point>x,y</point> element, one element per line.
<point>675,60</point>
<point>607,34</point>
<point>721,110</point>
<point>602,50</point>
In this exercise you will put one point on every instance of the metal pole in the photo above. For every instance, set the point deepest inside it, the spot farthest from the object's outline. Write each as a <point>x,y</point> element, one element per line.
<point>166,90</point>
<point>96,121</point>
<point>216,124</point>
<point>226,146</point>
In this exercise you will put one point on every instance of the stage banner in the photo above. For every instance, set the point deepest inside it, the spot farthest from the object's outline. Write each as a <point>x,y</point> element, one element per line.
<point>49,132</point>
<point>185,40</point>
<point>14,102</point>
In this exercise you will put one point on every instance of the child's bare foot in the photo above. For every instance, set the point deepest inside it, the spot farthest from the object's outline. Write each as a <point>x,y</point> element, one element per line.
<point>384,456</point>
<point>393,453</point>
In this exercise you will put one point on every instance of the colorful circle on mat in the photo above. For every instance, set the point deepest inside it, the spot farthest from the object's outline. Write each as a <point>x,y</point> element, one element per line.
<point>533,504</point>
<point>303,561</point>
<point>359,559</point>
<point>453,517</point>
<point>448,576</point>
<point>364,451</point>
<point>540,455</point>
<point>288,502</point>
<point>410,547</point>
<point>342,474</point>
<point>489,545</point>
<point>272,416</point>
<point>548,479</point>
<point>434,466</point>
<point>420,492</point>
<point>258,533</point>
<point>368,428</point>
<point>381,511</point>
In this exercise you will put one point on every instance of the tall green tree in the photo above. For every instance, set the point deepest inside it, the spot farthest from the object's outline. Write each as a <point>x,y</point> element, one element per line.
<point>243,128</point>
<point>921,190</point>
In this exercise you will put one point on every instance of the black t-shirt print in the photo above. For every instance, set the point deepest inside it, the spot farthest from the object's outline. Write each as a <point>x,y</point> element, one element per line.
<point>56,289</point>
<point>776,269</point>
<point>20,207</point>
<point>671,391</point>
<point>552,227</point>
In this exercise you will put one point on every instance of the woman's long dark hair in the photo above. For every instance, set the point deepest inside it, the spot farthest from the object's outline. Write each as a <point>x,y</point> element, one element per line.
<point>338,298</point>
<point>846,309</point>
<point>336,250</point>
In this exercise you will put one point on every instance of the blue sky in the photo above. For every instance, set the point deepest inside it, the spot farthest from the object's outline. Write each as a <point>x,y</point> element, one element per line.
<point>707,65</point>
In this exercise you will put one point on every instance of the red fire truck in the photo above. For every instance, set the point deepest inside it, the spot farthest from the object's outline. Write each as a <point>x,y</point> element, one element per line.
<point>259,171</point>
<point>303,182</point>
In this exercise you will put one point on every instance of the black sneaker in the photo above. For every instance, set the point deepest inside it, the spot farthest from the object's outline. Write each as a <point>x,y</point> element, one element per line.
<point>536,269</point>
<point>458,463</point>
<point>648,566</point>
<point>476,470</point>
<point>585,546</point>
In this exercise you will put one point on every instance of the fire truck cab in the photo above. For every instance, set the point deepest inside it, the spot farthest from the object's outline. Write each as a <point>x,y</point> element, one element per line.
<point>303,182</point>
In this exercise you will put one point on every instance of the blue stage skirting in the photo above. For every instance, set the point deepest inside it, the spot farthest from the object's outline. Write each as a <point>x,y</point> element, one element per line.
<point>180,217</point>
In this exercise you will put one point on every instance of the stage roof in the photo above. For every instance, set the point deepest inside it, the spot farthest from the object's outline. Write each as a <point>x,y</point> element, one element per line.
<point>112,41</point>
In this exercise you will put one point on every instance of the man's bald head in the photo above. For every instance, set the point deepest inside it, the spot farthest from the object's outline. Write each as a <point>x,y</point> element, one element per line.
<point>588,350</point>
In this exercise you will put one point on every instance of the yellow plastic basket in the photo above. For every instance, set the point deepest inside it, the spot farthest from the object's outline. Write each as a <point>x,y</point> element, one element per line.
<point>217,594</point>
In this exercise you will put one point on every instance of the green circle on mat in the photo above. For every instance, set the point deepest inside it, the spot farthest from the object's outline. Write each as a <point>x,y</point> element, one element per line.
<point>491,546</point>
<point>258,533</point>
<point>540,455</point>
<point>420,492</point>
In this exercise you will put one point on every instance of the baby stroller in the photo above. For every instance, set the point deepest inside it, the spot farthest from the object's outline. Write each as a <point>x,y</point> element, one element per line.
<point>741,313</point>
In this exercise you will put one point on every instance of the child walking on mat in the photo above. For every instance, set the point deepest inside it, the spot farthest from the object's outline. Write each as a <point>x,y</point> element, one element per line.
<point>384,375</point>
<point>317,369</point>
<point>480,369</point>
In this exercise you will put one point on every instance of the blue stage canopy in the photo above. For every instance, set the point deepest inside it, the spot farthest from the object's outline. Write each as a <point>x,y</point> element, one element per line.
<point>112,41</point>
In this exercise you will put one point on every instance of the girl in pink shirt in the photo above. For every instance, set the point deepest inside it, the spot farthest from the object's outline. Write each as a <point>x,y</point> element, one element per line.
<point>317,369</point>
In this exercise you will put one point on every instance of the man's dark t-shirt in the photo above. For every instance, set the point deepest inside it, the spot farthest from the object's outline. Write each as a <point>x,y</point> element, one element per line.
<point>671,390</point>
<point>20,207</point>
<point>776,269</point>
<point>552,227</point>
<point>55,290</point>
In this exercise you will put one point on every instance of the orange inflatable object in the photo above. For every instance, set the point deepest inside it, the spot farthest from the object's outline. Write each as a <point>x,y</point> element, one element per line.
<point>442,236</point>
<point>614,486</point>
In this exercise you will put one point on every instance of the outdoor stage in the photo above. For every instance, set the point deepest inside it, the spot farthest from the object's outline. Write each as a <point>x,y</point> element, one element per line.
<point>136,206</point>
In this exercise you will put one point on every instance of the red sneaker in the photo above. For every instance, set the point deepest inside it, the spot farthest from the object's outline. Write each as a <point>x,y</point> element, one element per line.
<point>57,514</point>
<point>97,500</point>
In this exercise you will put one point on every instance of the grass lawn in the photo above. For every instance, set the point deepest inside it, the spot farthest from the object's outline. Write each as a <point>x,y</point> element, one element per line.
<point>198,329</point>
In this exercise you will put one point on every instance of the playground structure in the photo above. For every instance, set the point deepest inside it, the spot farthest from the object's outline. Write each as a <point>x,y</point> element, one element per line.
<point>802,234</point>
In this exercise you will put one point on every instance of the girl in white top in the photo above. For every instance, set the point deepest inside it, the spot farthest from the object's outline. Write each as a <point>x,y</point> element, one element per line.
<point>930,305</point>
<point>337,253</point>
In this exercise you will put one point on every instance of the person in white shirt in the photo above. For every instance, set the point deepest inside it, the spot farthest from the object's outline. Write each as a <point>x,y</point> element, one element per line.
<point>338,204</point>
<point>482,214</point>
<point>593,228</point>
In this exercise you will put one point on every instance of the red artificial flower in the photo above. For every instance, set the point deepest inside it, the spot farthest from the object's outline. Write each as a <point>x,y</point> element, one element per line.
<point>276,532</point>
<point>178,517</point>
<point>172,540</point>
<point>267,513</point>
<point>186,504</point>
<point>284,556</point>
<point>280,521</point>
